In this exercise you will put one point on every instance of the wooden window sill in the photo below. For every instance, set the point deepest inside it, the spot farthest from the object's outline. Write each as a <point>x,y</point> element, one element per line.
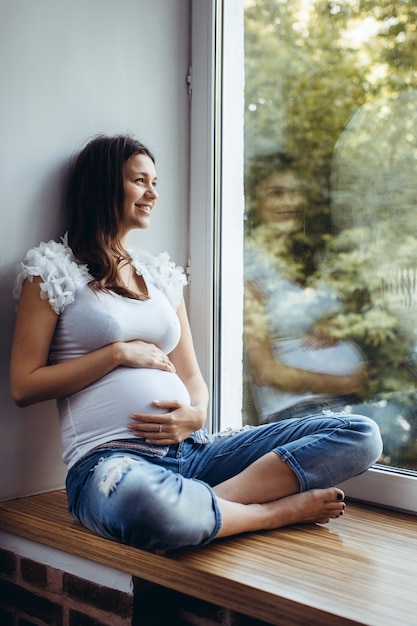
<point>360,569</point>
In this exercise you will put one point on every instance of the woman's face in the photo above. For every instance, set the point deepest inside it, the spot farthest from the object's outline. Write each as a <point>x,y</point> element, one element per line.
<point>280,198</point>
<point>140,195</point>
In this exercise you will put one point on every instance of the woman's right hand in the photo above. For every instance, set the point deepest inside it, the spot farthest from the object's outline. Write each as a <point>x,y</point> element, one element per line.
<point>139,353</point>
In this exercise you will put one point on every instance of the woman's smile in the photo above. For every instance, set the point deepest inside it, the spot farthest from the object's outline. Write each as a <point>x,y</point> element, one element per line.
<point>140,195</point>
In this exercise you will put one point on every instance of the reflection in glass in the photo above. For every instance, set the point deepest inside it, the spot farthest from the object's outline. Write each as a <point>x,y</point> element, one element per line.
<point>331,216</point>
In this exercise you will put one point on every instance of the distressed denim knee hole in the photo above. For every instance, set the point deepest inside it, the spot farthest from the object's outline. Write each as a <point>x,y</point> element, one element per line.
<point>114,474</point>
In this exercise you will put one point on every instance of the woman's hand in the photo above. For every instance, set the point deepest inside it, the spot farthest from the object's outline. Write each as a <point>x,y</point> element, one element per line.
<point>168,428</point>
<point>141,354</point>
<point>174,421</point>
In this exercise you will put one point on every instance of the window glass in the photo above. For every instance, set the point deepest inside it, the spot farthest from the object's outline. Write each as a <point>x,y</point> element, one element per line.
<point>330,306</point>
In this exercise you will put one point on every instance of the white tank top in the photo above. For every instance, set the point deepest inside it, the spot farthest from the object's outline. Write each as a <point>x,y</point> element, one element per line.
<point>89,320</point>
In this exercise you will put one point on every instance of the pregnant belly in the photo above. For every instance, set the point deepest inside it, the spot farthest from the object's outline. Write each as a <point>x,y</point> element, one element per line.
<point>105,407</point>
<point>136,389</point>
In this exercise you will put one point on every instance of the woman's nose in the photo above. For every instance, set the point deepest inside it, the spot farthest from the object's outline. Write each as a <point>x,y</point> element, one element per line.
<point>151,191</point>
<point>292,197</point>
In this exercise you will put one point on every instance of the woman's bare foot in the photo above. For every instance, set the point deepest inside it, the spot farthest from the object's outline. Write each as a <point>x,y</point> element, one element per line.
<point>316,505</point>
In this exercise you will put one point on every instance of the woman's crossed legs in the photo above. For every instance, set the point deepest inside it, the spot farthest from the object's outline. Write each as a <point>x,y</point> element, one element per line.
<point>311,454</point>
<point>263,478</point>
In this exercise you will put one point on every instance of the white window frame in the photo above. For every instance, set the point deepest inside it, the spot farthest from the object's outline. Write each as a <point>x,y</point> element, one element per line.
<point>201,191</point>
<point>216,154</point>
<point>216,231</point>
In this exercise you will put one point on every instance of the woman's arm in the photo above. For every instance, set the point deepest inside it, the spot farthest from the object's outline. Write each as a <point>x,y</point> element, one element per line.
<point>180,420</point>
<point>265,369</point>
<point>185,361</point>
<point>33,380</point>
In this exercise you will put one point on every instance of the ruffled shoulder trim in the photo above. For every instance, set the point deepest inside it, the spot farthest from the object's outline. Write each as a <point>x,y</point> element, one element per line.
<point>56,265</point>
<point>170,278</point>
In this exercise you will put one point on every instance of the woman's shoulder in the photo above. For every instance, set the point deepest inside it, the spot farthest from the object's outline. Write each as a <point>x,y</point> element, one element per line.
<point>55,264</point>
<point>167,276</point>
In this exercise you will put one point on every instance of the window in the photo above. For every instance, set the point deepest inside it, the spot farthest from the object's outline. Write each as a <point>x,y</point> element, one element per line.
<point>329,137</point>
<point>331,214</point>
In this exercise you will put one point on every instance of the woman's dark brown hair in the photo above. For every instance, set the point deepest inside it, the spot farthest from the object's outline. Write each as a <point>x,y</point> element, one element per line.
<point>95,199</point>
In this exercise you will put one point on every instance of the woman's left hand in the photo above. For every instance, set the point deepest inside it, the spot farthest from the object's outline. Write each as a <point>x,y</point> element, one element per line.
<point>171,427</point>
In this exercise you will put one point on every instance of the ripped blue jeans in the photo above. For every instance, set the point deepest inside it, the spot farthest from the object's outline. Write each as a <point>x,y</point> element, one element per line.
<point>163,501</point>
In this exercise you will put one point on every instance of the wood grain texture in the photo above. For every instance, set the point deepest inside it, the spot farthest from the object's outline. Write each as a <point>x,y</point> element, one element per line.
<point>360,569</point>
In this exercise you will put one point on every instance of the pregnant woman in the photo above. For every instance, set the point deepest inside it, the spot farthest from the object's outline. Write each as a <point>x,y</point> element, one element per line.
<point>103,328</point>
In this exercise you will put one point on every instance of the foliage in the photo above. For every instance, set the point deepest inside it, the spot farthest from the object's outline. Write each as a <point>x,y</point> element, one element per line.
<point>369,317</point>
<point>310,65</point>
<point>334,83</point>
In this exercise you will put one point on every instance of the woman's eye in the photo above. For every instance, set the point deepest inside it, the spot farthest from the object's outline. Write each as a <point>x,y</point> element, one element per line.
<point>139,180</point>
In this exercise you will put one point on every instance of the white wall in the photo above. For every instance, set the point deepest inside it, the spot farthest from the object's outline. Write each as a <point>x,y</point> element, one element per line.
<point>69,70</point>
